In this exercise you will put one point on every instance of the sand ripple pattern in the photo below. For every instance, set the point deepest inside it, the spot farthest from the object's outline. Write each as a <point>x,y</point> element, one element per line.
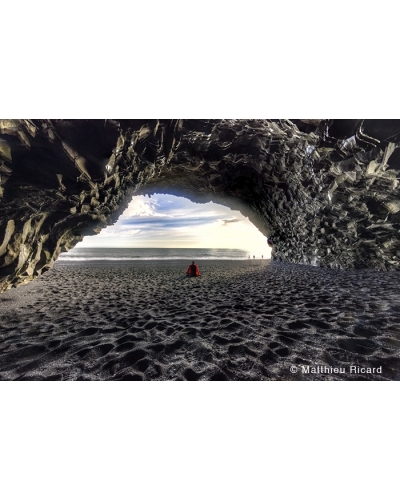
<point>240,321</point>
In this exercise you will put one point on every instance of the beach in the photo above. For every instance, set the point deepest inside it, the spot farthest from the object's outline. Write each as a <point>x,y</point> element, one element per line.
<point>241,320</point>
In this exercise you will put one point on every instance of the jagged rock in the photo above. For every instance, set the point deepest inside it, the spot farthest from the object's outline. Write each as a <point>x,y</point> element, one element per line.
<point>325,192</point>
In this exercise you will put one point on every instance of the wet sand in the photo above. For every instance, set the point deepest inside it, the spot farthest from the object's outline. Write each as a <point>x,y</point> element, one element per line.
<point>241,320</point>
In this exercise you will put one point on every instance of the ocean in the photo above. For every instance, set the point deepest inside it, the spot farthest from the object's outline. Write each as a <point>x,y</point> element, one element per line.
<point>127,254</point>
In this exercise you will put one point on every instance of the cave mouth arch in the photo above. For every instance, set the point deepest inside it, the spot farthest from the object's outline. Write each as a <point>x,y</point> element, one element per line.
<point>166,221</point>
<point>324,192</point>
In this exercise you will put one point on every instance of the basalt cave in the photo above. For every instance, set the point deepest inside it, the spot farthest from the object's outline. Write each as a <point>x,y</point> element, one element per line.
<point>324,192</point>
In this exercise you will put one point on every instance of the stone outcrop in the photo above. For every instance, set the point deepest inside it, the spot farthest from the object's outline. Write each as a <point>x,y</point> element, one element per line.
<point>325,192</point>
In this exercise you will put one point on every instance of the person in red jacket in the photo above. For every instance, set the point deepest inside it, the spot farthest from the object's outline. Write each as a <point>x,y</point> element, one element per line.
<point>193,270</point>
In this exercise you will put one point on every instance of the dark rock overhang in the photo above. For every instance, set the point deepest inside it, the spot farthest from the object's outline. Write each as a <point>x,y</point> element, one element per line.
<point>325,192</point>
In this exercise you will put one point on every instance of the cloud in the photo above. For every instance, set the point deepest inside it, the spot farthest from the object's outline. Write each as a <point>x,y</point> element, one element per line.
<point>139,207</point>
<point>228,221</point>
<point>165,221</point>
<point>170,222</point>
<point>117,232</point>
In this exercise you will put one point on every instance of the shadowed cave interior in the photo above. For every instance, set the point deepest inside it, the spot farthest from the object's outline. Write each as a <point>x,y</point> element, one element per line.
<point>325,192</point>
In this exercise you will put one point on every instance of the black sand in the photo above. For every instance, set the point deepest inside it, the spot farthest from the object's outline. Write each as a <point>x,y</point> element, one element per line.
<point>241,320</point>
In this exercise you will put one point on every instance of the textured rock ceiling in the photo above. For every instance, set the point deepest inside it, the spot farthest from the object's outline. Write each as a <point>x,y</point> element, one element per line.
<point>325,192</point>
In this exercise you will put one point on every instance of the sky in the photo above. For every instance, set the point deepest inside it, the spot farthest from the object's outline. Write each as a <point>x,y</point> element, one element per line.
<point>165,221</point>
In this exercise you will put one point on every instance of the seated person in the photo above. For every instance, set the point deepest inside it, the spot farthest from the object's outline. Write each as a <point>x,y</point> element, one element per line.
<point>193,270</point>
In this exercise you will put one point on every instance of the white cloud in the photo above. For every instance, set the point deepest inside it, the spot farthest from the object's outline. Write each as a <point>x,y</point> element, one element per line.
<point>140,206</point>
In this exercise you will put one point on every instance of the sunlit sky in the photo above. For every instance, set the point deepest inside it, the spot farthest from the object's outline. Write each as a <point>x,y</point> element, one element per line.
<point>165,221</point>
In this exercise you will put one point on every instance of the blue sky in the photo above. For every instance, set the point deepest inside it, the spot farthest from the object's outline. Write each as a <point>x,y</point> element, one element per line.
<point>165,221</point>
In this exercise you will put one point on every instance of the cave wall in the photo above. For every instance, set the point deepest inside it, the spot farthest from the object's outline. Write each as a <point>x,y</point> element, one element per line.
<point>325,192</point>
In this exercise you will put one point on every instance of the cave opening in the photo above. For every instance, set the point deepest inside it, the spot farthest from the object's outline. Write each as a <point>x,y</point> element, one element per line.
<point>170,226</point>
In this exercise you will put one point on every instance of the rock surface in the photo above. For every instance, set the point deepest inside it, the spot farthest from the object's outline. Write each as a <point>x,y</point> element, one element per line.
<point>325,192</point>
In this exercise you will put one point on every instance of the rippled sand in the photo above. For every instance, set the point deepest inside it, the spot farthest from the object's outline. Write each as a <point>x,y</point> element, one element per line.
<point>241,320</point>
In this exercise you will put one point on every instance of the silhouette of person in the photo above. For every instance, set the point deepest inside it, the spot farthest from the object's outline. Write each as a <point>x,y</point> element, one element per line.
<point>193,270</point>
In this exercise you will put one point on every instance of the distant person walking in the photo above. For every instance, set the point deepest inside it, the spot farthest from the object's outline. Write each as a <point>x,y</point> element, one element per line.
<point>193,270</point>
